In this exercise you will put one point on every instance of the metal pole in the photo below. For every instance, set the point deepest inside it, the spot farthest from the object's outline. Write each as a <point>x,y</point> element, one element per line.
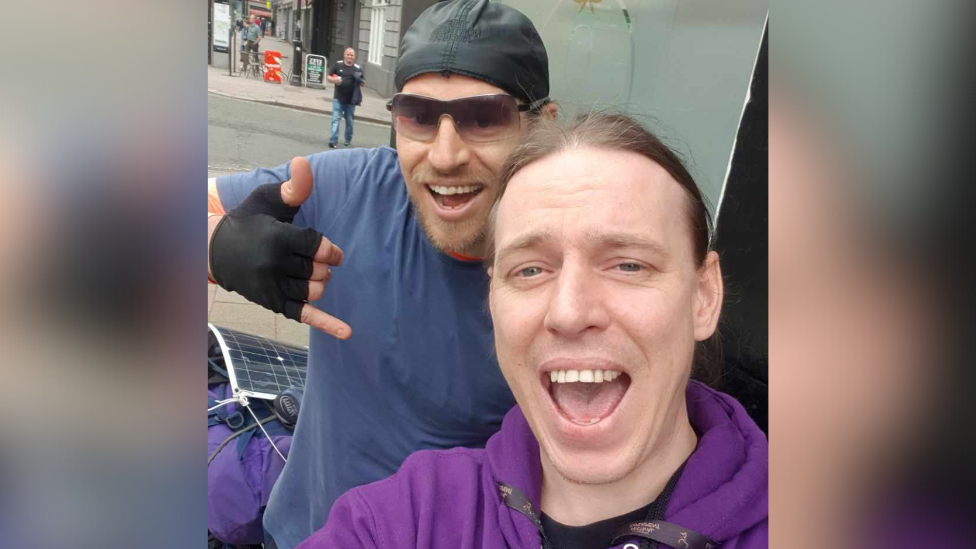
<point>232,50</point>
<point>210,32</point>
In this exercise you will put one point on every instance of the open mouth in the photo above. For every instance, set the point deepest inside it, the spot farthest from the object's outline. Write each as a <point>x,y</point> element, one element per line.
<point>454,197</point>
<point>586,397</point>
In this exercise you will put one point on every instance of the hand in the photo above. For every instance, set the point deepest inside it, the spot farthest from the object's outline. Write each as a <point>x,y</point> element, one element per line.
<point>256,252</point>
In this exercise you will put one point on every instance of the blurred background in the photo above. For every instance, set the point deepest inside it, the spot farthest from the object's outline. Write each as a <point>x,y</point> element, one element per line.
<point>103,148</point>
<point>103,155</point>
<point>870,304</point>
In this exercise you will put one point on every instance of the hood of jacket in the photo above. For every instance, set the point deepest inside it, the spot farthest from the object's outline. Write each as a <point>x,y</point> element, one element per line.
<point>722,492</point>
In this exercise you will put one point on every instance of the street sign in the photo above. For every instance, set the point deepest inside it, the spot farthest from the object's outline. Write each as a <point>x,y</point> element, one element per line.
<point>221,27</point>
<point>315,71</point>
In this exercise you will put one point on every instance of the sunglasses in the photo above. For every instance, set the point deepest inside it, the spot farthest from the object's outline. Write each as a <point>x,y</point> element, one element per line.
<point>478,119</point>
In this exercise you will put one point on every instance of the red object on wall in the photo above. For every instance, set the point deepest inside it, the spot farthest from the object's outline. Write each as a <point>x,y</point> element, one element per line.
<point>272,66</point>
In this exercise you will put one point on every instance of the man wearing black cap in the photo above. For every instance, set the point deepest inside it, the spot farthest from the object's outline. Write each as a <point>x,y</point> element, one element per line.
<point>397,236</point>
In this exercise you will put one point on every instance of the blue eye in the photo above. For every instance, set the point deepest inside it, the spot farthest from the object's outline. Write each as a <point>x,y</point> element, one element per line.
<point>630,267</point>
<point>529,272</point>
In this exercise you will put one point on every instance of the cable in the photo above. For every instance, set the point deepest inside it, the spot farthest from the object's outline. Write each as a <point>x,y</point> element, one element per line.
<point>217,368</point>
<point>238,433</point>
<point>261,426</point>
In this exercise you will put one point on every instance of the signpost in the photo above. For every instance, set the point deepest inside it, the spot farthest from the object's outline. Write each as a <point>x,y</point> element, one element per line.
<point>315,71</point>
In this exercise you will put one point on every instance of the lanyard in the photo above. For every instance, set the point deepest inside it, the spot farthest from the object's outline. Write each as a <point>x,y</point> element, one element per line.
<point>660,531</point>
<point>669,534</point>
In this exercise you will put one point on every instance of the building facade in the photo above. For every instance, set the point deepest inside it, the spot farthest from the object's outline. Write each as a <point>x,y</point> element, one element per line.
<point>284,20</point>
<point>293,19</point>
<point>345,29</point>
<point>327,27</point>
<point>373,28</point>
<point>260,9</point>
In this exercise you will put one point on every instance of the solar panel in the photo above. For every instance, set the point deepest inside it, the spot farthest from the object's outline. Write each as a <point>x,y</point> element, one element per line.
<point>262,367</point>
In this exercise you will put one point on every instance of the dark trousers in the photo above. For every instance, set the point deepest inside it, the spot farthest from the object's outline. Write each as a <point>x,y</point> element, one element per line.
<point>249,49</point>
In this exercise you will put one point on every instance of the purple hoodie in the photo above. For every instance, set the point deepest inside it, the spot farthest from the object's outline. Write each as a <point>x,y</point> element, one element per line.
<point>450,499</point>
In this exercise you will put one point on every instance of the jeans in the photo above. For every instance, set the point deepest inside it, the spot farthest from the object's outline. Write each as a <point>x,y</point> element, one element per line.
<point>346,111</point>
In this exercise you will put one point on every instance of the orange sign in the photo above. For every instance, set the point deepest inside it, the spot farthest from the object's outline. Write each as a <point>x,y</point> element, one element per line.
<point>272,66</point>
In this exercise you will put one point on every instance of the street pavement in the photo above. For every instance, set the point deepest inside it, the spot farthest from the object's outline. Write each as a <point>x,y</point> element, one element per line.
<point>230,310</point>
<point>244,135</point>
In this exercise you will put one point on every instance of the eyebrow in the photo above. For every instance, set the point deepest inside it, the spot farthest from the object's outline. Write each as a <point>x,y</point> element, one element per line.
<point>613,239</point>
<point>626,240</point>
<point>524,242</point>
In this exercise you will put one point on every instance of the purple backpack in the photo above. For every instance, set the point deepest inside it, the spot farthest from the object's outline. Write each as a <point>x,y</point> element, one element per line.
<point>242,464</point>
<point>247,444</point>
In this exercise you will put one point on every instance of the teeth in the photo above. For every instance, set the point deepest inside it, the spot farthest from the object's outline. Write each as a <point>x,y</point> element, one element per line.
<point>582,376</point>
<point>454,190</point>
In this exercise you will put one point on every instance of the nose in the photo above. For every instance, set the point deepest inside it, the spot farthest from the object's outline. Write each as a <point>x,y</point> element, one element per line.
<point>448,151</point>
<point>576,305</point>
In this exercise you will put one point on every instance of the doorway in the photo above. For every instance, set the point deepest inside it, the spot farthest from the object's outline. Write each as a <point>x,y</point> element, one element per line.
<point>352,26</point>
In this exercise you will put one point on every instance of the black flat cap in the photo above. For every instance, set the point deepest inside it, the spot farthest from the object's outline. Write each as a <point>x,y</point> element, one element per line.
<point>491,42</point>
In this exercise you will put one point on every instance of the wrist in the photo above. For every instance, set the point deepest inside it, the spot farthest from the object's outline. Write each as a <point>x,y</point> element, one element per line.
<point>213,220</point>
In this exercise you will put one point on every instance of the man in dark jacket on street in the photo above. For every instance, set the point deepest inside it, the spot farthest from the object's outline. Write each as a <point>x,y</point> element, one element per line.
<point>347,77</point>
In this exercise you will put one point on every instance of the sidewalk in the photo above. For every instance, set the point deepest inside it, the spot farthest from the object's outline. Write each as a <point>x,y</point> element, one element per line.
<point>230,310</point>
<point>219,82</point>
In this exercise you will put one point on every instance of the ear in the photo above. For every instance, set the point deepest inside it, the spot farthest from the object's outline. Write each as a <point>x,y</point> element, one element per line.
<point>708,302</point>
<point>549,111</point>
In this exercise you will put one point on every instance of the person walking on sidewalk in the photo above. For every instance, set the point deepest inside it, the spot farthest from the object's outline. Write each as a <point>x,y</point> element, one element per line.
<point>252,36</point>
<point>347,77</point>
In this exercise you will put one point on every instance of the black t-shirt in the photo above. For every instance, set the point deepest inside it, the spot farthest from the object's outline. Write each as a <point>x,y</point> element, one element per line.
<point>592,536</point>
<point>344,89</point>
<point>599,534</point>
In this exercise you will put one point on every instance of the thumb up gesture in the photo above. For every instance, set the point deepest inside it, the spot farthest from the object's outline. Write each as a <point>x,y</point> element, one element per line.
<point>255,250</point>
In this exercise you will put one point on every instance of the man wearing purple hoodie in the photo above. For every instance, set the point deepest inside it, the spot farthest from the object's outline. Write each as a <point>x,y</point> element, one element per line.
<point>602,285</point>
